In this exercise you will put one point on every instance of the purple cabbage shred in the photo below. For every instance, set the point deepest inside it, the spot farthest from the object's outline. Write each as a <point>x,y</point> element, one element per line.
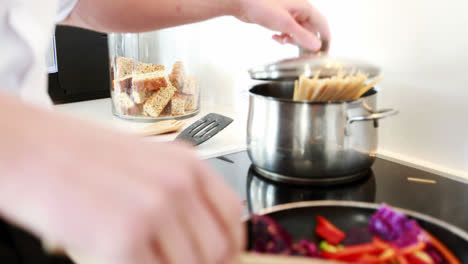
<point>435,255</point>
<point>394,227</point>
<point>270,237</point>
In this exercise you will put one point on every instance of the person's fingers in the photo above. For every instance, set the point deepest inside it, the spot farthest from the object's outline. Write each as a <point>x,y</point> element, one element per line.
<point>288,24</point>
<point>170,239</point>
<point>317,22</point>
<point>148,255</point>
<point>208,236</point>
<point>226,205</point>
<point>322,23</point>
<point>304,37</point>
<point>312,20</point>
<point>284,39</point>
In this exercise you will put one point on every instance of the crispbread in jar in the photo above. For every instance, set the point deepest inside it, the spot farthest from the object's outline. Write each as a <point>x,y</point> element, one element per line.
<point>144,88</point>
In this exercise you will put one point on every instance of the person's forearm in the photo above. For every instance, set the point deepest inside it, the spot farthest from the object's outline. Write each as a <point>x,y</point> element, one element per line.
<point>31,141</point>
<point>36,147</point>
<point>146,15</point>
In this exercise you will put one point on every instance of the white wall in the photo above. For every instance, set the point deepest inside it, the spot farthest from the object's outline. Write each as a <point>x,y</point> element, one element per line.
<point>422,46</point>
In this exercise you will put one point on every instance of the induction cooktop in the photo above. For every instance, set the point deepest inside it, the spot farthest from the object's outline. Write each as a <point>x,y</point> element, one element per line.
<point>387,182</point>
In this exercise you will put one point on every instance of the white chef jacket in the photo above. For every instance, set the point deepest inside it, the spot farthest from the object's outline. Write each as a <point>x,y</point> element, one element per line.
<point>26,30</point>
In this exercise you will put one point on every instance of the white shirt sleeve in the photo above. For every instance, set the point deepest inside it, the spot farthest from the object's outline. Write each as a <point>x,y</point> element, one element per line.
<point>64,9</point>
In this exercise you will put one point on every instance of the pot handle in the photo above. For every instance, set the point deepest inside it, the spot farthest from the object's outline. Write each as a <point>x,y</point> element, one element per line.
<point>372,117</point>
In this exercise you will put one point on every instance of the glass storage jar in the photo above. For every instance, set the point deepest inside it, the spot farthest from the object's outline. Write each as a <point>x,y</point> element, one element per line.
<point>142,87</point>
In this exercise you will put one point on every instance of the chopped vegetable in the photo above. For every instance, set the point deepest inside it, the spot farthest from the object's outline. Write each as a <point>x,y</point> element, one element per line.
<point>435,254</point>
<point>269,236</point>
<point>397,240</point>
<point>369,259</point>
<point>394,227</point>
<point>420,257</point>
<point>380,244</point>
<point>330,248</point>
<point>305,248</point>
<point>413,248</point>
<point>387,255</point>
<point>350,253</point>
<point>448,256</point>
<point>328,231</point>
<point>384,257</point>
<point>401,260</point>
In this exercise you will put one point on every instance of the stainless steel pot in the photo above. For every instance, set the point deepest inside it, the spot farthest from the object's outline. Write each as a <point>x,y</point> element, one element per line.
<point>305,142</point>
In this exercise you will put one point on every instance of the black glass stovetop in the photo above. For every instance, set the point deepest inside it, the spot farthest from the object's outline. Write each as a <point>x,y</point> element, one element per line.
<point>387,182</point>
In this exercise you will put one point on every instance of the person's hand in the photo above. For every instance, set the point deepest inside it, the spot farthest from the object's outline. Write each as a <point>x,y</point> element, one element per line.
<point>114,199</point>
<point>297,20</point>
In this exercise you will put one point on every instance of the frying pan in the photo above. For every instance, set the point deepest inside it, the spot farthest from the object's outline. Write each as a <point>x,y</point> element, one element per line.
<point>299,219</point>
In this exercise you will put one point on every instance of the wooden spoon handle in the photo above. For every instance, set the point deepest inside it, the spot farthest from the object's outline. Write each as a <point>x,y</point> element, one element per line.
<point>162,127</point>
<point>252,258</point>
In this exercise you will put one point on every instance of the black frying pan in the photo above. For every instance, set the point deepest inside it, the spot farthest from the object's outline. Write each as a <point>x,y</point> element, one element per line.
<point>299,219</point>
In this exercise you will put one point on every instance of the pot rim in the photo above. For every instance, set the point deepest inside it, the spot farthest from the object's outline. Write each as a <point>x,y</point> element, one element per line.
<point>373,91</point>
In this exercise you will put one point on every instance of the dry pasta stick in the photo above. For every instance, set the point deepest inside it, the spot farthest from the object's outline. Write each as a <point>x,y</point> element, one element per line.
<point>339,89</point>
<point>296,90</point>
<point>316,83</point>
<point>325,90</point>
<point>316,75</point>
<point>301,88</point>
<point>345,88</point>
<point>358,83</point>
<point>319,90</point>
<point>304,86</point>
<point>312,89</point>
<point>368,87</point>
<point>330,91</point>
<point>354,83</point>
<point>308,87</point>
<point>361,83</point>
<point>339,85</point>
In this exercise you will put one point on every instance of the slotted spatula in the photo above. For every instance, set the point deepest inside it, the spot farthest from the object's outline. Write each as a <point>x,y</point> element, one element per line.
<point>204,129</point>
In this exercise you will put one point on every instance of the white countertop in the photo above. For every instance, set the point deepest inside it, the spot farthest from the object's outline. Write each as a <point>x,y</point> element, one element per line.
<point>229,140</point>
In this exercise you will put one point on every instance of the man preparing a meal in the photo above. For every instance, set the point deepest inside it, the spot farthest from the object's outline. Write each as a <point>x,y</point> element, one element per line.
<point>105,196</point>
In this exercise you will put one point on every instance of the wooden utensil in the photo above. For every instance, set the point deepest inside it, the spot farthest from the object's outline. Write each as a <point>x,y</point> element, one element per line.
<point>252,258</point>
<point>162,127</point>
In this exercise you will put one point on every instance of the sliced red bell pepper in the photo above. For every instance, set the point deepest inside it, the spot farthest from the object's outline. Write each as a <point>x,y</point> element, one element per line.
<point>420,257</point>
<point>446,253</point>
<point>384,257</point>
<point>328,231</point>
<point>368,259</point>
<point>420,246</point>
<point>351,253</point>
<point>380,243</point>
<point>387,255</point>
<point>402,260</point>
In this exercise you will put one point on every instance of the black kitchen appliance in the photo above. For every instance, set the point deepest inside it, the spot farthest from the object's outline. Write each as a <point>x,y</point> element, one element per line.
<point>387,182</point>
<point>82,66</point>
